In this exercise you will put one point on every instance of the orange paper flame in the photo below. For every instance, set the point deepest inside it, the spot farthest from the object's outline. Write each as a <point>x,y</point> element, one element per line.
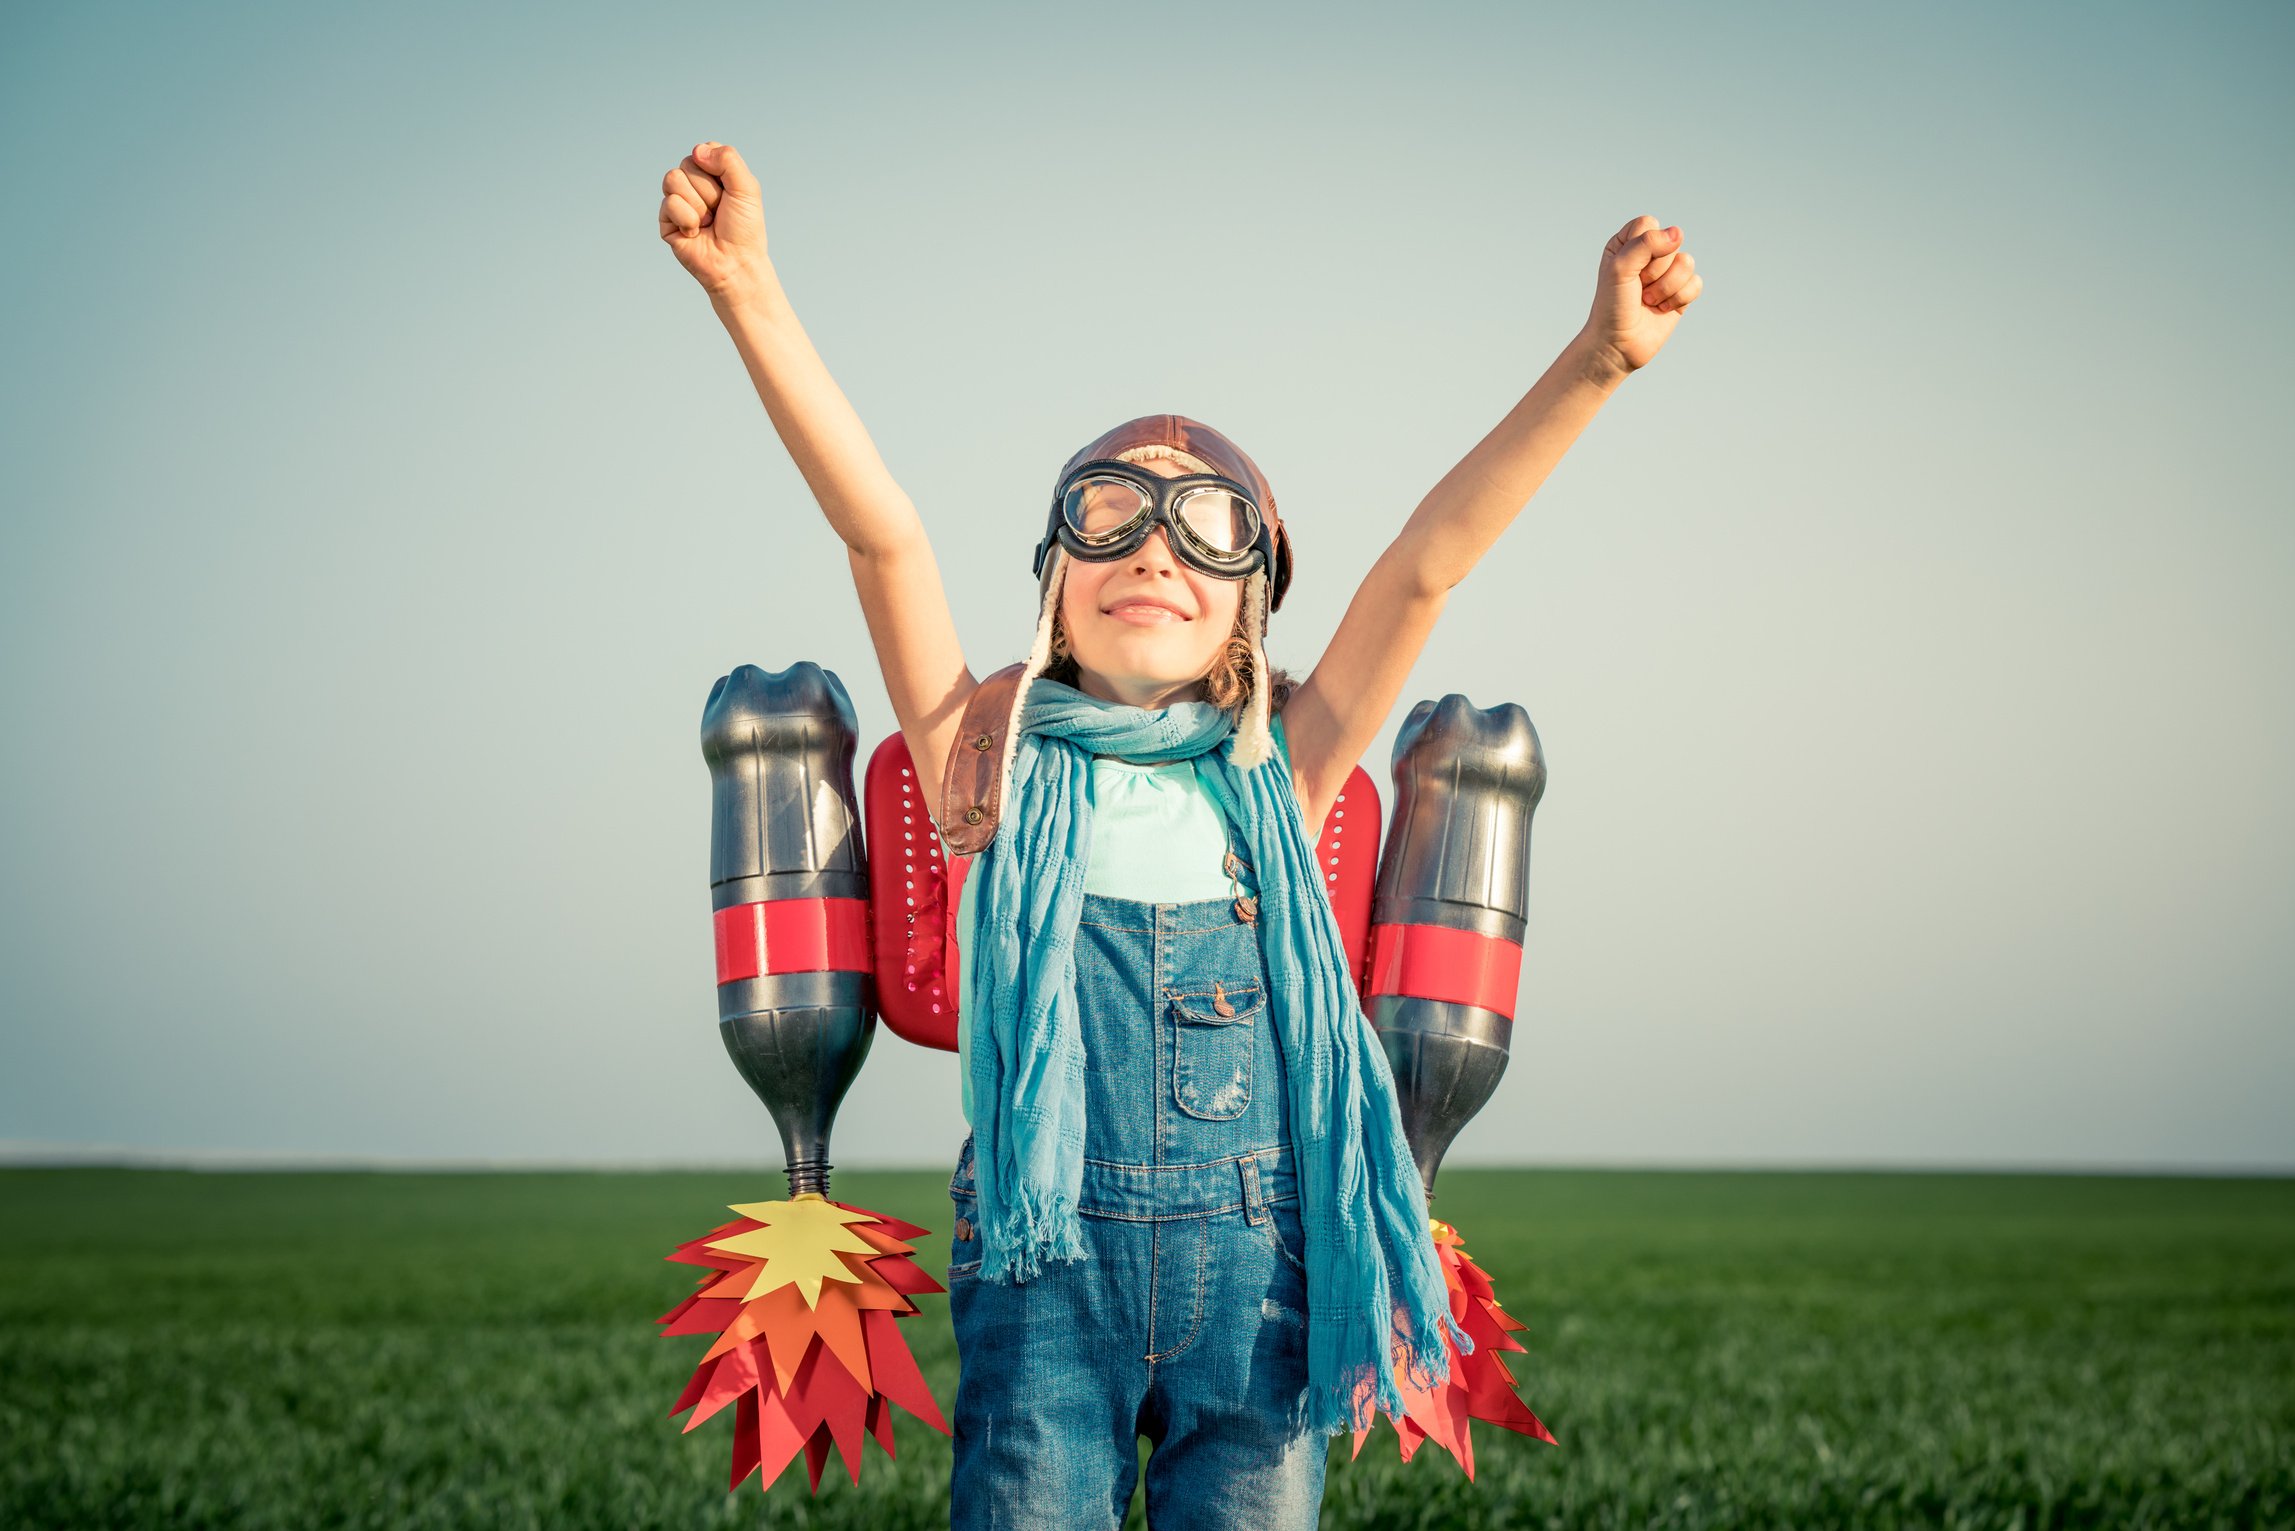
<point>1479,1386</point>
<point>802,1296</point>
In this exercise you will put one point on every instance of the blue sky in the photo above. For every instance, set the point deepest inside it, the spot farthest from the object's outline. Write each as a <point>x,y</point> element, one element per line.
<point>1911,645</point>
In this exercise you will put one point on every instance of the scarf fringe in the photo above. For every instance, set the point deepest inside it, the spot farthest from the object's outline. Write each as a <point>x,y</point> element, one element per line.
<point>1348,1393</point>
<point>1031,1238</point>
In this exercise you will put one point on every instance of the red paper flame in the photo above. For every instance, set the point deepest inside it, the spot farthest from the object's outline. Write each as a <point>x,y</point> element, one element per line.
<point>1479,1386</point>
<point>801,1376</point>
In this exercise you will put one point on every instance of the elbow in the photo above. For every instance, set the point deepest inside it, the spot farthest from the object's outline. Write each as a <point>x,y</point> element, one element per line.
<point>1419,575</point>
<point>1435,586</point>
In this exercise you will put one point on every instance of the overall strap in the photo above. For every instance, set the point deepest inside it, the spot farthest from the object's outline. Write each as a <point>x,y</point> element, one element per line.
<point>979,757</point>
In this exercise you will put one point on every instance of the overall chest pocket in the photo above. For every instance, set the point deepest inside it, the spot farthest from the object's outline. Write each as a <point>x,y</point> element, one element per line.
<point>1215,1033</point>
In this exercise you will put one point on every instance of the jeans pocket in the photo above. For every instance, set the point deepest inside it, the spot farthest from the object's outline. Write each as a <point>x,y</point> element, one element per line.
<point>964,1230</point>
<point>1212,1043</point>
<point>964,1235</point>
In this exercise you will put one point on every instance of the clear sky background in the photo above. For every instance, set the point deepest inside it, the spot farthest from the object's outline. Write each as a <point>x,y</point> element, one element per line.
<point>1911,645</point>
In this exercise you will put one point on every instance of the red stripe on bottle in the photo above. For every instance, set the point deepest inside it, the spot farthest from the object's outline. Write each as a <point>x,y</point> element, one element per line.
<point>1437,962</point>
<point>792,935</point>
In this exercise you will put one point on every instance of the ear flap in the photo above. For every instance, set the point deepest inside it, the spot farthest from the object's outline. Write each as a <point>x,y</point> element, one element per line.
<point>1039,658</point>
<point>1255,738</point>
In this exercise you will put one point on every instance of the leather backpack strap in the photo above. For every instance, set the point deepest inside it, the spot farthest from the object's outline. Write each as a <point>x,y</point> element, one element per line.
<point>972,783</point>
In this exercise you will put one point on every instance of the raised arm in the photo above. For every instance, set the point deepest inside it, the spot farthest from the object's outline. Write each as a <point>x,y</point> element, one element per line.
<point>1646,280</point>
<point>713,219</point>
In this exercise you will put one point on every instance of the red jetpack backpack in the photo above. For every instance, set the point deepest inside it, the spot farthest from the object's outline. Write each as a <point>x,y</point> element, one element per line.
<point>815,937</point>
<point>913,892</point>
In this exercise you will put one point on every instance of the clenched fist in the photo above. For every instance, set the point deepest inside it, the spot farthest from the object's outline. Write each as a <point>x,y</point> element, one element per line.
<point>1646,280</point>
<point>713,219</point>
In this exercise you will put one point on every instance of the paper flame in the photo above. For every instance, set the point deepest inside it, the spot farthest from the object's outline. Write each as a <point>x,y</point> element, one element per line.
<point>802,1296</point>
<point>1479,1386</point>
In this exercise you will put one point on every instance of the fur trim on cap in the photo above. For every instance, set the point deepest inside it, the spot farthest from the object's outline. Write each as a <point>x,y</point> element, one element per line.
<point>1039,658</point>
<point>1254,737</point>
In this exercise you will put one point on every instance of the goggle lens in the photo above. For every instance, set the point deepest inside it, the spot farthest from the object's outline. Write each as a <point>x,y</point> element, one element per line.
<point>1217,517</point>
<point>1102,510</point>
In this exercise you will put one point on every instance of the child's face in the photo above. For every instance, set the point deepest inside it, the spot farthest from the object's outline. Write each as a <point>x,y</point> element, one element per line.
<point>1145,628</point>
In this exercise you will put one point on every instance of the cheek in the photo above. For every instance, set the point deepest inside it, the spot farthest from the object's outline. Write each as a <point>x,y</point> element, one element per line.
<point>1219,610</point>
<point>1080,598</point>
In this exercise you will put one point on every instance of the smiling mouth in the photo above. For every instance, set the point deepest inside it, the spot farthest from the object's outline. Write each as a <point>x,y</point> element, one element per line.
<point>1145,611</point>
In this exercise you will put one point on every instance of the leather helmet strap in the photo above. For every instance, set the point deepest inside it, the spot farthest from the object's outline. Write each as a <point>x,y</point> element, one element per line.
<point>972,783</point>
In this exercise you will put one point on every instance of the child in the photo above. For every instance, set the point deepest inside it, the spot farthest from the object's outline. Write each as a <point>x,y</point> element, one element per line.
<point>1186,1210</point>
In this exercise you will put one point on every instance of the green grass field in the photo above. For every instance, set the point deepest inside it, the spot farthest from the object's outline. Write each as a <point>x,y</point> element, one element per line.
<point>336,1350</point>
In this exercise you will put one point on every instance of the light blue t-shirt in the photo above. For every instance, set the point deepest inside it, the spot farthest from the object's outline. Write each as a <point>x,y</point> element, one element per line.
<point>1156,836</point>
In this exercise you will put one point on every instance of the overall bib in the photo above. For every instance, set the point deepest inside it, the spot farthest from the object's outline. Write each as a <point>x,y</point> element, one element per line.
<point>1187,1324</point>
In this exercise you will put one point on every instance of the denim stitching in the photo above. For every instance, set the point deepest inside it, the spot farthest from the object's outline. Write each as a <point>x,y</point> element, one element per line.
<point>1231,985</point>
<point>1214,1018</point>
<point>1161,1032</point>
<point>1154,1265</point>
<point>1206,1164</point>
<point>1159,1217</point>
<point>1202,1278</point>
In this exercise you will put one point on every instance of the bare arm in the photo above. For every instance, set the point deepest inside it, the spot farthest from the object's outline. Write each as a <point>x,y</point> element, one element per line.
<point>894,572</point>
<point>712,218</point>
<point>1646,280</point>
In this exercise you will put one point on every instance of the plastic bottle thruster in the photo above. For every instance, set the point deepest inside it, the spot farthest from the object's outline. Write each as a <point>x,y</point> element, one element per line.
<point>1449,912</point>
<point>788,887</point>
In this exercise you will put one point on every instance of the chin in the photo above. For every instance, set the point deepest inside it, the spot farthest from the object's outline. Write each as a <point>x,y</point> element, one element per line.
<point>1150,662</point>
<point>1115,670</point>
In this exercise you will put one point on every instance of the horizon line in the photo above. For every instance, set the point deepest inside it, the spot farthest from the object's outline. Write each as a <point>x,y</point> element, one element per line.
<point>37,1154</point>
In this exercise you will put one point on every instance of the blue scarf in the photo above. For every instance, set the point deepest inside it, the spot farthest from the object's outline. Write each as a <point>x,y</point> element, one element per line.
<point>1375,1293</point>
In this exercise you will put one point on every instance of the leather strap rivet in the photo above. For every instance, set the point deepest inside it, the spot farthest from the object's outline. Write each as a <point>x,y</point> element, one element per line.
<point>985,742</point>
<point>972,815</point>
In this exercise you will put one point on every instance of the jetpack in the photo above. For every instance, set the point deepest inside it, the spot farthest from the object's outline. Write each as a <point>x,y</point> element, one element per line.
<point>831,911</point>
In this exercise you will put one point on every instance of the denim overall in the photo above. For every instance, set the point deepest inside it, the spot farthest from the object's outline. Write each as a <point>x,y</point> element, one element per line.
<point>1188,1323</point>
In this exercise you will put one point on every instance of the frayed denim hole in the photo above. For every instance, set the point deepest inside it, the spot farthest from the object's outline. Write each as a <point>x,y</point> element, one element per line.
<point>1288,1233</point>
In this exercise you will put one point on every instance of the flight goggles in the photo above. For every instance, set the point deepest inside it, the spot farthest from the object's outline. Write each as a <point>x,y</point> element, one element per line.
<point>1106,509</point>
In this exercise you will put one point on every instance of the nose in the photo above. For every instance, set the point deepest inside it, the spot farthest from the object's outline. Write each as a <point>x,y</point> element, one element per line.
<point>1161,558</point>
